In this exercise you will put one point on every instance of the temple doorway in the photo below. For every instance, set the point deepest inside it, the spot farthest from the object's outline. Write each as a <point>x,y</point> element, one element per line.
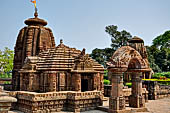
<point>84,85</point>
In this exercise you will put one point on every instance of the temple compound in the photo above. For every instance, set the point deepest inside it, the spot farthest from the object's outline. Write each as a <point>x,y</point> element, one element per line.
<point>128,61</point>
<point>48,79</point>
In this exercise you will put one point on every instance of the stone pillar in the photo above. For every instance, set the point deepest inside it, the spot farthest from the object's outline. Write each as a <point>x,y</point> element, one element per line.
<point>117,100</point>
<point>15,80</point>
<point>21,82</point>
<point>52,86</point>
<point>30,86</point>
<point>95,82</point>
<point>153,90</point>
<point>57,82</point>
<point>136,99</point>
<point>77,81</point>
<point>101,82</point>
<point>144,76</point>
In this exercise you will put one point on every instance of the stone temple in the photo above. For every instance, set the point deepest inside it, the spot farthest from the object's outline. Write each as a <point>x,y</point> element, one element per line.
<point>49,78</point>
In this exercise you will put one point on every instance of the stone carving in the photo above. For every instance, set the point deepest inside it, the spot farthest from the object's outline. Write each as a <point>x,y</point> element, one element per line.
<point>133,60</point>
<point>83,62</point>
<point>31,102</point>
<point>123,56</point>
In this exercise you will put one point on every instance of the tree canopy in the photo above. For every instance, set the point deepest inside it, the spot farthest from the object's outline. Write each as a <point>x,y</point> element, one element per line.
<point>118,38</point>
<point>163,40</point>
<point>160,51</point>
<point>6,62</point>
<point>102,55</point>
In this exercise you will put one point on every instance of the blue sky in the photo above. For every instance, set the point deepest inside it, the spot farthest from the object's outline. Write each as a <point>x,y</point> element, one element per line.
<point>81,23</point>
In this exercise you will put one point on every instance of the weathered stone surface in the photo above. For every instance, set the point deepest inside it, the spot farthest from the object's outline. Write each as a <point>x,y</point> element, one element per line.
<point>129,61</point>
<point>31,102</point>
<point>5,102</point>
<point>155,90</point>
<point>60,69</point>
<point>31,40</point>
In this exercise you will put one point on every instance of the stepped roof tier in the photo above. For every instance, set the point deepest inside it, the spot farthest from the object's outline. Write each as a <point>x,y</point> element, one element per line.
<point>63,58</point>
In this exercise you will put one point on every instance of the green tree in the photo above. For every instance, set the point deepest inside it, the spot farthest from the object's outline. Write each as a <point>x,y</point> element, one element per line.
<point>161,51</point>
<point>162,59</point>
<point>102,55</point>
<point>118,38</point>
<point>151,51</point>
<point>162,41</point>
<point>6,62</point>
<point>159,59</point>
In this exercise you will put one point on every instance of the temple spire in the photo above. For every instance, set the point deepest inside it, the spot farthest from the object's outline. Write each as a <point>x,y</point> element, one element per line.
<point>36,12</point>
<point>35,21</point>
<point>61,41</point>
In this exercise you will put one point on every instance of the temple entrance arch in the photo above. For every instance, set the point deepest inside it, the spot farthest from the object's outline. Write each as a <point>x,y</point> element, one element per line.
<point>134,64</point>
<point>126,60</point>
<point>135,72</point>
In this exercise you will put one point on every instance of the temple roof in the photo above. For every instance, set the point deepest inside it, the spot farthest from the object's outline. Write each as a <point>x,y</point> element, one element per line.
<point>136,39</point>
<point>63,58</point>
<point>35,20</point>
<point>124,56</point>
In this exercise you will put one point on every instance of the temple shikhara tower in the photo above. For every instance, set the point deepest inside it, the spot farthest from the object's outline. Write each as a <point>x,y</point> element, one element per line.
<point>32,39</point>
<point>63,77</point>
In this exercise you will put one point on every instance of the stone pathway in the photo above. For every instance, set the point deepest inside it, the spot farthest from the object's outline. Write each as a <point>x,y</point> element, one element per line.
<point>154,106</point>
<point>92,111</point>
<point>158,106</point>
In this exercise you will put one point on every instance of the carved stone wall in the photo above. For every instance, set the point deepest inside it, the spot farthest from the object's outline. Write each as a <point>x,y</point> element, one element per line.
<point>30,102</point>
<point>62,81</point>
<point>155,90</point>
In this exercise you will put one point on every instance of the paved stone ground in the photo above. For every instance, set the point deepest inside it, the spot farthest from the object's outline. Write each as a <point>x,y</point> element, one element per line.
<point>158,106</point>
<point>92,111</point>
<point>154,106</point>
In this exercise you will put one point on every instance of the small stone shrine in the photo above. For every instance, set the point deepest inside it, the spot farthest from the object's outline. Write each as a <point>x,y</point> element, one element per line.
<point>128,60</point>
<point>47,78</point>
<point>61,69</point>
